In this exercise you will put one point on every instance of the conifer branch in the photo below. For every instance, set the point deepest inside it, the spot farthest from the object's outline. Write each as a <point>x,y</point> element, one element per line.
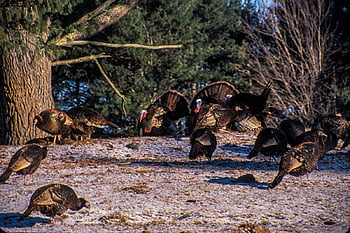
<point>78,60</point>
<point>111,45</point>
<point>95,22</point>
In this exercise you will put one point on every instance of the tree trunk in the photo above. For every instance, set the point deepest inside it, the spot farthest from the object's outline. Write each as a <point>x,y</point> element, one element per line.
<point>25,90</point>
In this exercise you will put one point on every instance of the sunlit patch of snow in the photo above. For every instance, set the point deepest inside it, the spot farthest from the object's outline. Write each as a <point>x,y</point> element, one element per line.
<point>148,183</point>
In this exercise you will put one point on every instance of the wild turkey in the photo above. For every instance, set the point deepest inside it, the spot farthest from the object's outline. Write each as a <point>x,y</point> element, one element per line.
<point>54,199</point>
<point>214,116</point>
<point>54,122</point>
<point>301,159</point>
<point>245,121</point>
<point>203,142</point>
<point>255,104</point>
<point>335,124</point>
<point>213,93</point>
<point>25,161</point>
<point>270,142</point>
<point>160,117</point>
<point>312,135</point>
<point>87,120</point>
<point>208,106</point>
<point>292,128</point>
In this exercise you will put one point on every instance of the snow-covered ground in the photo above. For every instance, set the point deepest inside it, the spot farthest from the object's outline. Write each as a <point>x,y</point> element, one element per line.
<point>149,184</point>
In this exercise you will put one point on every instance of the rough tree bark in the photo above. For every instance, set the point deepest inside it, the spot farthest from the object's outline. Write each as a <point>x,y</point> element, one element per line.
<point>25,90</point>
<point>25,73</point>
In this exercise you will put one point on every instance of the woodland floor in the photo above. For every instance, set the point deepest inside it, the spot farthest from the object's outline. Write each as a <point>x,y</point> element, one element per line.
<point>148,184</point>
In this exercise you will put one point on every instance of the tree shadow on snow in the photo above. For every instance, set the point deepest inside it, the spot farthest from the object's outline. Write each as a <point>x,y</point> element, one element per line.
<point>199,164</point>
<point>242,149</point>
<point>11,220</point>
<point>246,180</point>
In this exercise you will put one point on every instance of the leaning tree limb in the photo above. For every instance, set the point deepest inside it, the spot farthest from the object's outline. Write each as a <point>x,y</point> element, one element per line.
<point>112,85</point>
<point>112,45</point>
<point>79,60</point>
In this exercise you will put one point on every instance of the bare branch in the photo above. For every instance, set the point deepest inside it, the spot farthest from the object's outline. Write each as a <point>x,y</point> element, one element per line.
<point>111,45</point>
<point>289,43</point>
<point>78,60</point>
<point>112,85</point>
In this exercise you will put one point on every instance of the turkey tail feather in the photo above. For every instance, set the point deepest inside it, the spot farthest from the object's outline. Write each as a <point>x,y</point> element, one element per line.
<point>27,212</point>
<point>266,90</point>
<point>175,102</point>
<point>5,175</point>
<point>214,93</point>
<point>193,153</point>
<point>253,153</point>
<point>277,180</point>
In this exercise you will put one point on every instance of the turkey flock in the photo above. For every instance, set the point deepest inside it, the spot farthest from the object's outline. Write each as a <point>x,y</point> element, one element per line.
<point>215,107</point>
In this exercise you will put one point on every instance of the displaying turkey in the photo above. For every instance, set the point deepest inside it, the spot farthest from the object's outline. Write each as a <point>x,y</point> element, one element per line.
<point>214,116</point>
<point>208,106</point>
<point>203,142</point>
<point>25,161</point>
<point>255,104</point>
<point>214,93</point>
<point>54,122</point>
<point>86,121</point>
<point>54,199</point>
<point>160,117</point>
<point>292,128</point>
<point>270,142</point>
<point>335,124</point>
<point>301,159</point>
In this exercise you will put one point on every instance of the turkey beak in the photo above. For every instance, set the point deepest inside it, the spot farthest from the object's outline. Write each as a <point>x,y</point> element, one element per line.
<point>237,108</point>
<point>36,119</point>
<point>87,205</point>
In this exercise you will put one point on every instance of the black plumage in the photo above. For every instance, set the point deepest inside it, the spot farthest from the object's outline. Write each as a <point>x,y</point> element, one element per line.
<point>86,120</point>
<point>161,115</point>
<point>255,104</point>
<point>270,142</point>
<point>25,161</point>
<point>292,128</point>
<point>54,199</point>
<point>301,159</point>
<point>203,142</point>
<point>55,122</point>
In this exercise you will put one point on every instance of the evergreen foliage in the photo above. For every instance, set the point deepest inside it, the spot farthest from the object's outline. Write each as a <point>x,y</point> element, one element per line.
<point>209,31</point>
<point>35,16</point>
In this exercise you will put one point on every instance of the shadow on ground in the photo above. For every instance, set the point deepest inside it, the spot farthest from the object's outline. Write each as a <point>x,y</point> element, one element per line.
<point>10,220</point>
<point>246,180</point>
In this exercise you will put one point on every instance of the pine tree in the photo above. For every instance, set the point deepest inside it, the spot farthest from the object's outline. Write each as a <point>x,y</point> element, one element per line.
<point>212,50</point>
<point>31,37</point>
